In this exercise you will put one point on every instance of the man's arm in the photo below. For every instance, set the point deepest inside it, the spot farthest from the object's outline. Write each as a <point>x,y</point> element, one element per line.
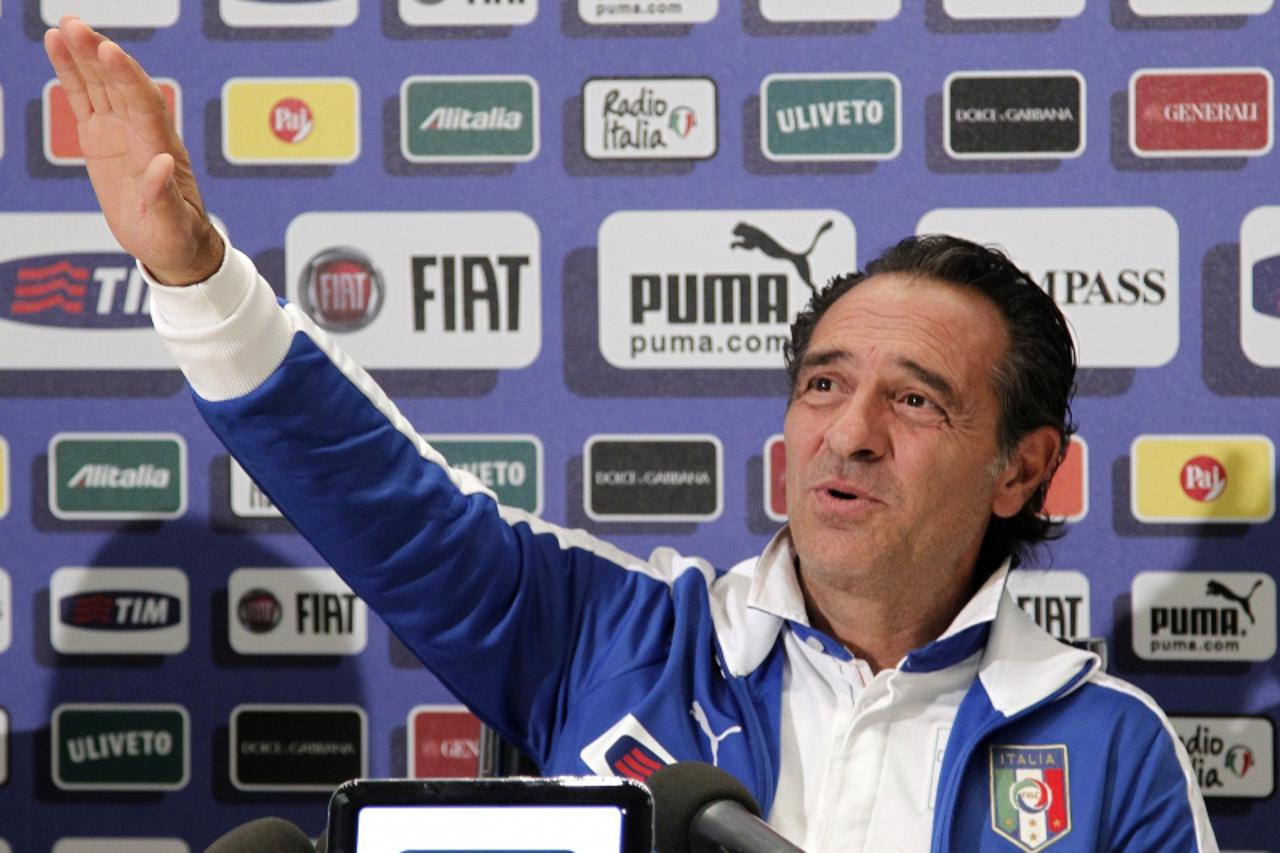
<point>140,169</point>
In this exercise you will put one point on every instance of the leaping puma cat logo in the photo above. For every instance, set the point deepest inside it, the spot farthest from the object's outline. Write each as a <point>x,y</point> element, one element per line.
<point>705,724</point>
<point>1219,589</point>
<point>750,237</point>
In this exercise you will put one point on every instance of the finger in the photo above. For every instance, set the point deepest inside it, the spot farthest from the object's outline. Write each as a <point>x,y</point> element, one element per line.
<point>114,96</point>
<point>157,183</point>
<point>133,90</point>
<point>65,67</point>
<point>83,43</point>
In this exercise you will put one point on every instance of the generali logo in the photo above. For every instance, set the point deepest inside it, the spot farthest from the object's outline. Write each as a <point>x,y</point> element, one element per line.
<point>712,289</point>
<point>1201,112</point>
<point>101,611</point>
<point>1203,479</point>
<point>460,290</point>
<point>444,742</point>
<point>1110,270</point>
<point>283,121</point>
<point>1260,286</point>
<point>1232,756</point>
<point>288,13</point>
<point>1213,616</point>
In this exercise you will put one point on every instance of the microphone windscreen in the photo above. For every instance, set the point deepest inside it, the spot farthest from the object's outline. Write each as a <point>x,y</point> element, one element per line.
<point>683,789</point>
<point>264,835</point>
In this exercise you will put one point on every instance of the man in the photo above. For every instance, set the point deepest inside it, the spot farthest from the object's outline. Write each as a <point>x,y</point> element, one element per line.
<point>865,677</point>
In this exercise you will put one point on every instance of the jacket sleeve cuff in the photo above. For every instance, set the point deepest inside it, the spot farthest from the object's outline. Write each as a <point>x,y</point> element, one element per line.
<point>228,334</point>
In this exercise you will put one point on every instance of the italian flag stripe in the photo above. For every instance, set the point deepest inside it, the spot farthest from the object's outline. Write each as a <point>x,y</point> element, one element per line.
<point>1006,814</point>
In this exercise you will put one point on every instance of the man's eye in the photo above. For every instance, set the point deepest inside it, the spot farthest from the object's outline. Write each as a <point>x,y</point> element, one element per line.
<point>916,401</point>
<point>821,383</point>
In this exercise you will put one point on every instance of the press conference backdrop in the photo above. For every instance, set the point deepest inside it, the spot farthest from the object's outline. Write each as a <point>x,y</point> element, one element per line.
<point>568,237</point>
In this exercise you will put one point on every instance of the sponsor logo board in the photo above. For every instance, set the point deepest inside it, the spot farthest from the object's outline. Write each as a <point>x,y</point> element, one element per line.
<point>706,289</point>
<point>1009,115</point>
<point>1110,269</point>
<point>830,116</point>
<point>1232,756</point>
<point>247,499</point>
<point>290,120</point>
<point>1057,599</point>
<point>1201,112</point>
<point>649,118</point>
<point>969,9</point>
<point>4,746</point>
<point>297,747</point>
<point>795,11</point>
<point>775,478</point>
<point>71,299</point>
<point>288,13</point>
<point>1161,8</point>
<point>294,612</point>
<point>460,290</point>
<point>112,13</point>
<point>653,477</point>
<point>1203,479</point>
<point>117,476</point>
<point>618,12</point>
<point>1260,286</point>
<point>1204,616</point>
<point>104,611</point>
<point>1,122</point>
<point>4,476</point>
<point>467,13</point>
<point>1068,496</point>
<point>444,742</point>
<point>115,845</point>
<point>62,140</point>
<point>510,466</point>
<point>487,118</point>
<point>6,611</point>
<point>121,747</point>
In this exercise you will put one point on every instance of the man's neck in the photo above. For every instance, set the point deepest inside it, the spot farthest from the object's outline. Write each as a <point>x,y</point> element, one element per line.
<point>881,622</point>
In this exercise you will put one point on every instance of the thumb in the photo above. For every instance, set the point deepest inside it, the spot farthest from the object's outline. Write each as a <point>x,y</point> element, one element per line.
<point>158,190</point>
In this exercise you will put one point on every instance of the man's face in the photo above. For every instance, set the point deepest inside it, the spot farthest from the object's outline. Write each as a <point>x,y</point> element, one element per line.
<point>891,434</point>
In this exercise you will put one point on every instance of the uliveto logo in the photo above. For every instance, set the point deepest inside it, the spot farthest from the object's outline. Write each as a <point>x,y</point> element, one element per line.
<point>97,610</point>
<point>463,290</point>
<point>1232,756</point>
<point>1110,269</point>
<point>121,747</point>
<point>649,118</point>
<point>712,289</point>
<point>830,116</point>
<point>508,465</point>
<point>1204,616</point>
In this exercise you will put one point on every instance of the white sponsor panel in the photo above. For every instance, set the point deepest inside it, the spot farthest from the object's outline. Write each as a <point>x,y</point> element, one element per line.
<point>1058,599</point>
<point>1232,756</point>
<point>829,10</point>
<point>115,845</point>
<point>4,757</point>
<point>247,500</point>
<point>709,289</point>
<point>94,304</point>
<point>649,118</point>
<point>1,123</point>
<point>1259,241</point>
<point>112,13</point>
<point>104,611</point>
<point>313,13</point>
<point>965,9</point>
<point>467,13</point>
<point>5,467</point>
<point>462,290</point>
<point>1159,8</point>
<point>1204,616</point>
<point>6,611</point>
<point>1110,269</point>
<point>294,612</point>
<point>647,11</point>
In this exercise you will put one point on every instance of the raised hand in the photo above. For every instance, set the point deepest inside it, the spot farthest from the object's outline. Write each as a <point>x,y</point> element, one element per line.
<point>140,169</point>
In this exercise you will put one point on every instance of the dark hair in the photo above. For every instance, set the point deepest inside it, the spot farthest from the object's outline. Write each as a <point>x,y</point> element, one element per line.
<point>1033,381</point>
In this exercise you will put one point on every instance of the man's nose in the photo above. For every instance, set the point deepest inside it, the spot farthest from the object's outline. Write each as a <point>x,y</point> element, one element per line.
<point>860,428</point>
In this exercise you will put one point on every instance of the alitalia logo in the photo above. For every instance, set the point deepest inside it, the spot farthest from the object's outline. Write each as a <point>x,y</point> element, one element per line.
<point>461,118</point>
<point>117,476</point>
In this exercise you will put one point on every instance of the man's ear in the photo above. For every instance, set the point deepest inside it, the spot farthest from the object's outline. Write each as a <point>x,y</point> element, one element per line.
<point>1031,463</point>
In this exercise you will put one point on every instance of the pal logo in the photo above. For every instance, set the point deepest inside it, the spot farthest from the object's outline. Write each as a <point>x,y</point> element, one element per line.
<point>291,120</point>
<point>1204,479</point>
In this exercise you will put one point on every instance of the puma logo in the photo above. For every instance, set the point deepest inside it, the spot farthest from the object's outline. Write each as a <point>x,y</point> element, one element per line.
<point>750,237</point>
<point>1215,588</point>
<point>705,724</point>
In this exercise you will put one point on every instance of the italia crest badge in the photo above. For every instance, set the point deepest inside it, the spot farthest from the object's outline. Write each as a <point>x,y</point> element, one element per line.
<point>1030,794</point>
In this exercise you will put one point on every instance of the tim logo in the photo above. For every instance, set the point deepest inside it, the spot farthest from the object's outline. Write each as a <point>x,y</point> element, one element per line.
<point>750,237</point>
<point>291,120</point>
<point>1203,479</point>
<point>99,290</point>
<point>632,759</point>
<point>120,610</point>
<point>1223,591</point>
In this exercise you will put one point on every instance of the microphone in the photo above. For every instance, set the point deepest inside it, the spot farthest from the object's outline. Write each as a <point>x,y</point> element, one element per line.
<point>701,809</point>
<point>264,835</point>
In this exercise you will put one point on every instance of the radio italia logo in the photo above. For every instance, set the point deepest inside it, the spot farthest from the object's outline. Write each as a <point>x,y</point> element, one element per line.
<point>1232,756</point>
<point>117,476</point>
<point>638,118</point>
